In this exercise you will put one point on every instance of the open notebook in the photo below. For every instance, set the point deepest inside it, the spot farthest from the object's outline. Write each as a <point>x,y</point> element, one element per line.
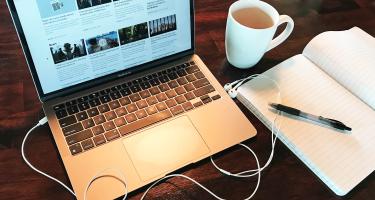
<point>334,77</point>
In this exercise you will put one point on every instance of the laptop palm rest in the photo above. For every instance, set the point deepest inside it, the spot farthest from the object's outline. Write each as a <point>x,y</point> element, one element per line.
<point>165,148</point>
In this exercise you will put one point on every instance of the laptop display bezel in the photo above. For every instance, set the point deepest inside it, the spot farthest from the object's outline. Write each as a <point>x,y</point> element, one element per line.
<point>96,81</point>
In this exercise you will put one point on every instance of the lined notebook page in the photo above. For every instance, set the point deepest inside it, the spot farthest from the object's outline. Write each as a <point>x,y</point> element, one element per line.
<point>340,160</point>
<point>349,58</point>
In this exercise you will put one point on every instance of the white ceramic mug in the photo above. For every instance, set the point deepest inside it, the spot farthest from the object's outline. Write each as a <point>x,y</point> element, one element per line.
<point>245,46</point>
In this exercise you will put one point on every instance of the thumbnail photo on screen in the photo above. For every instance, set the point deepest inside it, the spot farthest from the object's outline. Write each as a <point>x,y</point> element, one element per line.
<point>90,3</point>
<point>67,51</point>
<point>102,42</point>
<point>163,25</point>
<point>133,33</point>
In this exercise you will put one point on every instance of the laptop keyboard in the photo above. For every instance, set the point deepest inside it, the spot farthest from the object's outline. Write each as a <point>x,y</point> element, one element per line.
<point>104,116</point>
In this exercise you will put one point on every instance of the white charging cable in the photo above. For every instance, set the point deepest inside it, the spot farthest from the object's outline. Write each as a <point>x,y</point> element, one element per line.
<point>232,91</point>
<point>97,176</point>
<point>40,123</point>
<point>203,187</point>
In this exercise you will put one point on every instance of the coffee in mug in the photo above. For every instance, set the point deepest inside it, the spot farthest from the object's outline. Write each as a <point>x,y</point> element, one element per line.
<point>251,25</point>
<point>253,18</point>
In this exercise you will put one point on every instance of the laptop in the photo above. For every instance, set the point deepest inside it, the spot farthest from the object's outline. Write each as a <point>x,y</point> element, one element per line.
<point>123,89</point>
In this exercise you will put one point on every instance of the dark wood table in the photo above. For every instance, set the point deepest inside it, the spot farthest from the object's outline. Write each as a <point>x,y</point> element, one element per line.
<point>286,178</point>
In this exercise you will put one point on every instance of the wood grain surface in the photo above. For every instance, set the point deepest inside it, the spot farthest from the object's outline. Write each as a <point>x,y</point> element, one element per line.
<point>286,178</point>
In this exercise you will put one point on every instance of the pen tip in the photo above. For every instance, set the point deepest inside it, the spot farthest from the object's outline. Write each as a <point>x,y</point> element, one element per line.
<point>273,105</point>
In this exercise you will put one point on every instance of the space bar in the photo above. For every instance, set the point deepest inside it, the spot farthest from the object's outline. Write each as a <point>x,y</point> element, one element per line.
<point>144,122</point>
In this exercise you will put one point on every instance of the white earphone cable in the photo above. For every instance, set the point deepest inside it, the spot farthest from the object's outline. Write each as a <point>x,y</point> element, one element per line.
<point>245,174</point>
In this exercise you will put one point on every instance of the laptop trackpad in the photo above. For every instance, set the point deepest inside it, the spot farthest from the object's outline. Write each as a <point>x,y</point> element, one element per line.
<point>165,148</point>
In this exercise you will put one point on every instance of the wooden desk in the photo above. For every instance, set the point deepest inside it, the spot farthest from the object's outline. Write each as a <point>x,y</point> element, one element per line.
<point>286,178</point>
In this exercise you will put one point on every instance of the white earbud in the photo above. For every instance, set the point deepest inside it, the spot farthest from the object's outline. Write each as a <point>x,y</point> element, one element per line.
<point>232,93</point>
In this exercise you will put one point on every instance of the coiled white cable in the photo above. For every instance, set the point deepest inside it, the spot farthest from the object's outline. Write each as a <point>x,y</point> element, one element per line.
<point>203,187</point>
<point>244,174</point>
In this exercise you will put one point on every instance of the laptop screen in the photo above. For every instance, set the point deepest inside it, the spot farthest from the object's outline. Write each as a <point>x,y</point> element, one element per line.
<point>75,41</point>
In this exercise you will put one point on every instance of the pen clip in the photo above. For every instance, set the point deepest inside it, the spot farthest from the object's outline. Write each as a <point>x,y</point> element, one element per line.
<point>335,121</point>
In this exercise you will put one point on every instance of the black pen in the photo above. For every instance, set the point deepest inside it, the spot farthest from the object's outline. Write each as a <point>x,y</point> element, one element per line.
<point>292,111</point>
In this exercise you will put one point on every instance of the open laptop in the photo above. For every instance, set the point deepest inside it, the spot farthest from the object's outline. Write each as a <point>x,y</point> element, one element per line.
<point>122,89</point>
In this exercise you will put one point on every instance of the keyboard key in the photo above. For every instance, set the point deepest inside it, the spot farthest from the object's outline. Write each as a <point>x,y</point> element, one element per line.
<point>109,126</point>
<point>187,106</point>
<point>206,100</point>
<point>67,121</point>
<point>120,122</point>
<point>163,79</point>
<point>87,144</point>
<point>59,107</point>
<point>112,135</point>
<point>170,103</point>
<point>161,106</point>
<point>201,83</point>
<point>75,149</point>
<point>131,118</point>
<point>198,104</point>
<point>177,110</point>
<point>199,75</point>
<point>172,76</point>
<point>125,101</point>
<point>161,97</point>
<point>141,114</point>
<point>192,69</point>
<point>151,110</point>
<point>189,96</point>
<point>93,112</point>
<point>182,81</point>
<point>173,84</point>
<point>180,99</point>
<point>152,119</point>
<point>191,78</point>
<point>72,129</point>
<point>88,123</point>
<point>180,90</point>
<point>163,87</point>
<point>171,93</point>
<point>103,108</point>
<point>99,140</point>
<point>114,104</point>
<point>135,88</point>
<point>98,130</point>
<point>105,98</point>
<point>99,119</point>
<point>110,115</point>
<point>125,92</point>
<point>189,87</point>
<point>72,110</point>
<point>83,99</point>
<point>121,111</point>
<point>144,94</point>
<point>61,113</point>
<point>94,102</point>
<point>145,85</point>
<point>204,90</point>
<point>131,108</point>
<point>135,97</point>
<point>71,103</point>
<point>83,106</point>
<point>142,104</point>
<point>216,97</point>
<point>94,95</point>
<point>154,90</point>
<point>181,72</point>
<point>154,82</point>
<point>83,135</point>
<point>115,95</point>
<point>152,100</point>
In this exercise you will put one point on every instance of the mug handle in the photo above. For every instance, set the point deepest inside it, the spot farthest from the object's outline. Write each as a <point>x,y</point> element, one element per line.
<point>285,34</point>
